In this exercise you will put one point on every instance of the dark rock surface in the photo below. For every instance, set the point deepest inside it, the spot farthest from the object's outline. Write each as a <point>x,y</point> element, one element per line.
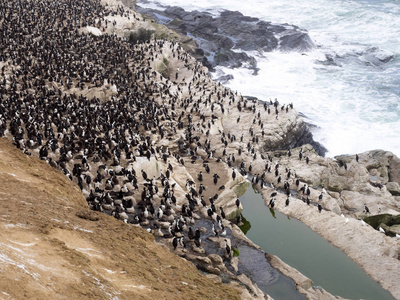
<point>223,39</point>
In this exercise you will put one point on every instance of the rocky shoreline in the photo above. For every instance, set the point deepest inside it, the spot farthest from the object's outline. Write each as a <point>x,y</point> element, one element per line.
<point>185,124</point>
<point>222,40</point>
<point>377,187</point>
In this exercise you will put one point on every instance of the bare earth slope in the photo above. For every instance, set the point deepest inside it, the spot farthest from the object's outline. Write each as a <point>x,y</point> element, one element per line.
<point>53,244</point>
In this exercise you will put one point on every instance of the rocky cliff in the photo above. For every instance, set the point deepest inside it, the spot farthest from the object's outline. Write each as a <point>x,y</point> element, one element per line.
<point>141,129</point>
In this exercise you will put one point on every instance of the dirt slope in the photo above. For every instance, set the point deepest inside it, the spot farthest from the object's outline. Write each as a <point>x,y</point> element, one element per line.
<point>52,246</point>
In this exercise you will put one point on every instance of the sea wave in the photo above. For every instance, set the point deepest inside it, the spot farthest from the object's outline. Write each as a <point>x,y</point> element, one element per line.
<point>348,86</point>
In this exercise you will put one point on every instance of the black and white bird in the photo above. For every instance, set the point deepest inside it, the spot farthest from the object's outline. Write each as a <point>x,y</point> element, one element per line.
<point>228,250</point>
<point>272,202</point>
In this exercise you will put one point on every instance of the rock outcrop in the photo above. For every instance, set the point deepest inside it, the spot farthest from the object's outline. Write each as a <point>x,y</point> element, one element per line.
<point>218,36</point>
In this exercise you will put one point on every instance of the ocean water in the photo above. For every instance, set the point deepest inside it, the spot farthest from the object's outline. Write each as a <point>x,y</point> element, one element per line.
<point>354,102</point>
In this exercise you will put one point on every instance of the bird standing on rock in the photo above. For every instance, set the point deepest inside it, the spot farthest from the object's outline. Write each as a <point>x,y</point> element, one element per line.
<point>228,250</point>
<point>215,178</point>
<point>237,202</point>
<point>272,202</point>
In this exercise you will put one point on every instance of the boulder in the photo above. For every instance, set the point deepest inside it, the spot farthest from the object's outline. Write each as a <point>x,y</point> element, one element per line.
<point>393,188</point>
<point>394,169</point>
<point>296,40</point>
<point>231,30</point>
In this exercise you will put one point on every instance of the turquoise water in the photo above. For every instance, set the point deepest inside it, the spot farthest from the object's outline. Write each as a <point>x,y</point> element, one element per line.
<point>303,249</point>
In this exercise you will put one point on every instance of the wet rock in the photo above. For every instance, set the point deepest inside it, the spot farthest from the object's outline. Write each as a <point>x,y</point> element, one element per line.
<point>255,291</point>
<point>219,35</point>
<point>296,40</point>
<point>297,134</point>
<point>225,78</point>
<point>287,270</point>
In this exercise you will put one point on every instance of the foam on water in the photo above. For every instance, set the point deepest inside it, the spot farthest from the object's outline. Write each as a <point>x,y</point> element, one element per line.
<point>355,103</point>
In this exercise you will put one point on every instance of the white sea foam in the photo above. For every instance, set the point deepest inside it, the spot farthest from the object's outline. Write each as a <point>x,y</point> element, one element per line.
<point>355,103</point>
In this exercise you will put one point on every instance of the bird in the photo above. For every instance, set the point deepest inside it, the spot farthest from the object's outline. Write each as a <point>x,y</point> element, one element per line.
<point>287,202</point>
<point>222,232</point>
<point>381,229</point>
<point>228,250</point>
<point>215,178</point>
<point>214,230</point>
<point>237,202</point>
<point>200,176</point>
<point>222,212</point>
<point>319,207</point>
<point>272,202</point>
<point>366,209</point>
<point>190,234</point>
<point>175,242</point>
<point>144,175</point>
<point>363,223</point>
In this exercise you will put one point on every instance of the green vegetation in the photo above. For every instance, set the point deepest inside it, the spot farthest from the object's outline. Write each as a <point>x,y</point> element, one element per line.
<point>141,36</point>
<point>235,252</point>
<point>246,225</point>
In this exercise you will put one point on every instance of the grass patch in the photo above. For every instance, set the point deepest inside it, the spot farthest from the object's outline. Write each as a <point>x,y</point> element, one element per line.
<point>235,251</point>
